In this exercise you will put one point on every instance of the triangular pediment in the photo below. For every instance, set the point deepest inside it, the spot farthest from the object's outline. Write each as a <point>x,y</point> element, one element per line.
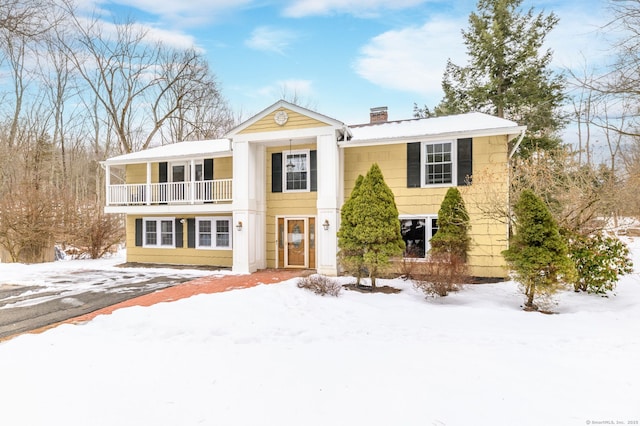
<point>281,116</point>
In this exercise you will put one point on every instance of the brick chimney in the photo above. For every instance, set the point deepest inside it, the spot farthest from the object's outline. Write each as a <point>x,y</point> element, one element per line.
<point>378,115</point>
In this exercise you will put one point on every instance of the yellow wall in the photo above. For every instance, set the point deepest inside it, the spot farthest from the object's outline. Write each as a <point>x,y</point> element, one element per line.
<point>489,189</point>
<point>174,256</point>
<point>303,204</point>
<point>223,168</point>
<point>295,121</point>
<point>137,173</point>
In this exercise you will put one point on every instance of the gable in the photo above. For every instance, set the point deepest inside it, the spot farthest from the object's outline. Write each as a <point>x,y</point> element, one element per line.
<point>295,120</point>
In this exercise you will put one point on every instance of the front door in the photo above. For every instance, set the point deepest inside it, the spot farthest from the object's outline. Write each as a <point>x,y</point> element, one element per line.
<point>296,254</point>
<point>296,243</point>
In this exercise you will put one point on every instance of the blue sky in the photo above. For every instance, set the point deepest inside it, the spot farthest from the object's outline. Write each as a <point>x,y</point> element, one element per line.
<point>344,57</point>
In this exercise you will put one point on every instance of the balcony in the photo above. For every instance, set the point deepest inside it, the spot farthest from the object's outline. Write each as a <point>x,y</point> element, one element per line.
<point>171,193</point>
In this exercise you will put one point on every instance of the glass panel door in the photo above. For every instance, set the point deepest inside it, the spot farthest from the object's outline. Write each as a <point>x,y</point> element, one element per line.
<point>296,255</point>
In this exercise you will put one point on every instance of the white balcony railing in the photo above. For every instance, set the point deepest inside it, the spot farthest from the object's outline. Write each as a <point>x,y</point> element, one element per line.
<point>208,191</point>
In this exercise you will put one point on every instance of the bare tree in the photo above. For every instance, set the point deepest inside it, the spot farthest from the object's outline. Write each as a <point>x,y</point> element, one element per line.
<point>139,83</point>
<point>26,18</point>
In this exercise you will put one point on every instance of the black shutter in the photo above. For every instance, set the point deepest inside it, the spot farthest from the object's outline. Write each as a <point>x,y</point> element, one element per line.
<point>313,168</point>
<point>179,234</point>
<point>138,232</point>
<point>276,172</point>
<point>208,169</point>
<point>465,161</point>
<point>162,172</point>
<point>191,233</point>
<point>413,165</point>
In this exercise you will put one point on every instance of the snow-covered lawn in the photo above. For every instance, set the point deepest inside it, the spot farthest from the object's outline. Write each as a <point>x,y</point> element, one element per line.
<point>278,355</point>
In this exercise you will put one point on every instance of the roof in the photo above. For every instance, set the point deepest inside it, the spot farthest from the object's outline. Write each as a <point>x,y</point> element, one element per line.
<point>472,124</point>
<point>180,150</point>
<point>288,105</point>
<point>453,126</point>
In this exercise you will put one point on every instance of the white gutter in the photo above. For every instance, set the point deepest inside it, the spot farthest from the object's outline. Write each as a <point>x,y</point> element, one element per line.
<point>434,137</point>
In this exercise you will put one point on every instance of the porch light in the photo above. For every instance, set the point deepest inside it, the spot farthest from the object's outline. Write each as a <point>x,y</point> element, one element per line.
<point>239,226</point>
<point>325,225</point>
<point>290,166</point>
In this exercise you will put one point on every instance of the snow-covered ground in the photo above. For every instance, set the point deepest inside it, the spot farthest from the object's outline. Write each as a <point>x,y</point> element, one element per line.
<point>278,355</point>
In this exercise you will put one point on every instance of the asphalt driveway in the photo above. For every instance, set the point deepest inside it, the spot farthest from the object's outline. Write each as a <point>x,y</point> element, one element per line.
<point>53,297</point>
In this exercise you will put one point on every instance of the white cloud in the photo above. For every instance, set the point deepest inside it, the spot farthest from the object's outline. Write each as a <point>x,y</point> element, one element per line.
<point>300,8</point>
<point>270,39</point>
<point>173,38</point>
<point>184,13</point>
<point>413,59</point>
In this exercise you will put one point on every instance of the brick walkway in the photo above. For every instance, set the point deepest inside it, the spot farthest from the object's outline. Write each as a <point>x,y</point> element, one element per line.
<point>204,285</point>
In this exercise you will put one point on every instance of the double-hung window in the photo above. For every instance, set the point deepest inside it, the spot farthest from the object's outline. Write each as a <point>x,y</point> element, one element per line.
<point>296,170</point>
<point>213,233</point>
<point>159,232</point>
<point>439,165</point>
<point>417,232</point>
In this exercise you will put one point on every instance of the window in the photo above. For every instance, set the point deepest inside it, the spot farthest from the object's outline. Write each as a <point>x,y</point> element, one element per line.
<point>441,163</point>
<point>159,232</point>
<point>416,233</point>
<point>223,236</point>
<point>198,171</point>
<point>296,167</point>
<point>438,163</point>
<point>213,233</point>
<point>178,172</point>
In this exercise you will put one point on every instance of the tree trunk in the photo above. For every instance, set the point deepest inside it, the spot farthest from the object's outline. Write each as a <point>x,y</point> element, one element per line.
<point>530,293</point>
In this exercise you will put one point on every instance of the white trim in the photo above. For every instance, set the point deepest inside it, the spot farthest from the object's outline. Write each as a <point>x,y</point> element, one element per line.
<point>179,151</point>
<point>510,132</point>
<point>307,229</point>
<point>287,105</point>
<point>214,232</point>
<point>428,230</point>
<point>173,164</point>
<point>159,221</point>
<point>307,153</point>
<point>454,164</point>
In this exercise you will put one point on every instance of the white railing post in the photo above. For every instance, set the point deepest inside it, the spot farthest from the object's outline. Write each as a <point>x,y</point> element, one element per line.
<point>147,194</point>
<point>107,180</point>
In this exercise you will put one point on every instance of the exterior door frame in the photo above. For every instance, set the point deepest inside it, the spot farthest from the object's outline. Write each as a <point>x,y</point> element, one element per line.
<point>282,254</point>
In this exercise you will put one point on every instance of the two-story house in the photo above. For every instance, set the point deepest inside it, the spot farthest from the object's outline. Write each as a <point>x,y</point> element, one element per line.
<point>269,194</point>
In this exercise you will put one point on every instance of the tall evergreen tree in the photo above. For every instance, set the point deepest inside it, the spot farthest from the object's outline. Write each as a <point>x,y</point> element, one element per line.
<point>508,75</point>
<point>537,252</point>
<point>452,237</point>
<point>372,224</point>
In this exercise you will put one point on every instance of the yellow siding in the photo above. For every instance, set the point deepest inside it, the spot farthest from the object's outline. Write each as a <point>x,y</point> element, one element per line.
<point>223,168</point>
<point>483,198</point>
<point>174,256</point>
<point>137,173</point>
<point>303,204</point>
<point>295,121</point>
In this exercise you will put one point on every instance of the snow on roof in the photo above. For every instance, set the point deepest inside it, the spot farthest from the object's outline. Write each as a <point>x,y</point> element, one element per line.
<point>474,123</point>
<point>179,150</point>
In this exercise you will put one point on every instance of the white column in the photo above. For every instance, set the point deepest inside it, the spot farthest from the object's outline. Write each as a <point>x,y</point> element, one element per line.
<point>192,185</point>
<point>329,202</point>
<point>107,182</point>
<point>148,189</point>
<point>249,207</point>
